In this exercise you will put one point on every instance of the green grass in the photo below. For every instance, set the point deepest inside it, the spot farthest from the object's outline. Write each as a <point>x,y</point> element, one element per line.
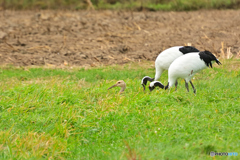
<point>165,5</point>
<point>70,114</point>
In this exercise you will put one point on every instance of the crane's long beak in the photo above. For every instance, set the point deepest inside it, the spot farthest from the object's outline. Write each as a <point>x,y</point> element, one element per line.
<point>143,87</point>
<point>151,88</point>
<point>112,86</point>
<point>218,62</point>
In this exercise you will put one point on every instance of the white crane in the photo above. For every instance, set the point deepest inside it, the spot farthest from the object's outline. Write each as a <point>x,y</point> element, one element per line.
<point>186,67</point>
<point>164,60</point>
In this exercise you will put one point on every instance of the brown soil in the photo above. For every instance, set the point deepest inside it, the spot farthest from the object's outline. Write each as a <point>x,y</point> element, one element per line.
<point>92,38</point>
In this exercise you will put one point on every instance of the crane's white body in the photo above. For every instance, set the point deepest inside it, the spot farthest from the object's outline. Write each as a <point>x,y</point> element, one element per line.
<point>164,60</point>
<point>185,67</point>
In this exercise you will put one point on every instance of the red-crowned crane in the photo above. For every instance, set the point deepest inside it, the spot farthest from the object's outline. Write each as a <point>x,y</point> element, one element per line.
<point>186,67</point>
<point>121,84</point>
<point>164,60</point>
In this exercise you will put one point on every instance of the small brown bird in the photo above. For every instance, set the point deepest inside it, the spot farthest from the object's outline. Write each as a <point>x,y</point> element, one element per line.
<point>121,84</point>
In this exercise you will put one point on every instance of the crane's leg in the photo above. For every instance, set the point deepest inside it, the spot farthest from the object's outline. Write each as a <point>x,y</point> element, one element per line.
<point>186,85</point>
<point>176,83</point>
<point>194,90</point>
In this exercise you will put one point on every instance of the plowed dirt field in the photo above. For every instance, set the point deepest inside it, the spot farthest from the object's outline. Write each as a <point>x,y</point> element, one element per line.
<point>93,38</point>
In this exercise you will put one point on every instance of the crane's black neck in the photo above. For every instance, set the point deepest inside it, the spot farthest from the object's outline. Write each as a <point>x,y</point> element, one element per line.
<point>145,80</point>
